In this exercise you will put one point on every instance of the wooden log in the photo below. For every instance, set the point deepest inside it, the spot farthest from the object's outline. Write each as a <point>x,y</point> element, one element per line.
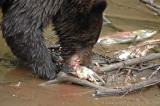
<point>129,62</point>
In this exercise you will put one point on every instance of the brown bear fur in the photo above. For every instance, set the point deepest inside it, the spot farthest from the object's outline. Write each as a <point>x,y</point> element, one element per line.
<point>77,23</point>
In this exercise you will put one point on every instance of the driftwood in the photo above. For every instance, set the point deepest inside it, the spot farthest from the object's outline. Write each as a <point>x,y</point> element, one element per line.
<point>100,90</point>
<point>63,77</point>
<point>151,5</point>
<point>127,90</point>
<point>129,62</point>
<point>151,2</point>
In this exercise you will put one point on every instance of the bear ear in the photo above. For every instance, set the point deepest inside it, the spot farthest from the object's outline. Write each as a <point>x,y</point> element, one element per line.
<point>99,6</point>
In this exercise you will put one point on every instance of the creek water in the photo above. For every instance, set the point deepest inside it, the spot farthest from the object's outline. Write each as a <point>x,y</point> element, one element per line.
<point>19,88</point>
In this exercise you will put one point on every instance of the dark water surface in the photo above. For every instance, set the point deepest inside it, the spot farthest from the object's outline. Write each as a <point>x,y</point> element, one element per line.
<point>19,88</point>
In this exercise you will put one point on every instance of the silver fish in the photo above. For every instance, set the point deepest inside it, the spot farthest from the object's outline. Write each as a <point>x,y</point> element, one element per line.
<point>125,37</point>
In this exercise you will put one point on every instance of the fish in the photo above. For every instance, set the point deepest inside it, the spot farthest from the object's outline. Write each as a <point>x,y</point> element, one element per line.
<point>126,37</point>
<point>85,73</point>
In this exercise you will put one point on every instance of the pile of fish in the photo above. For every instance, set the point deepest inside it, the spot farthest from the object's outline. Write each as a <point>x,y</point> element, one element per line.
<point>137,51</point>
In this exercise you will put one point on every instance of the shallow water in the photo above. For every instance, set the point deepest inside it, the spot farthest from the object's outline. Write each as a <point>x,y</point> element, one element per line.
<point>19,88</point>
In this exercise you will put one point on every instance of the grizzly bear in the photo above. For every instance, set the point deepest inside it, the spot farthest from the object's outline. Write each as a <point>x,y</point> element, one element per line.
<point>77,23</point>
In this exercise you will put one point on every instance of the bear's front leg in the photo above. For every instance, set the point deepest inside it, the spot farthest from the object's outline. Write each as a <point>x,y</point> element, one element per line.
<point>22,28</point>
